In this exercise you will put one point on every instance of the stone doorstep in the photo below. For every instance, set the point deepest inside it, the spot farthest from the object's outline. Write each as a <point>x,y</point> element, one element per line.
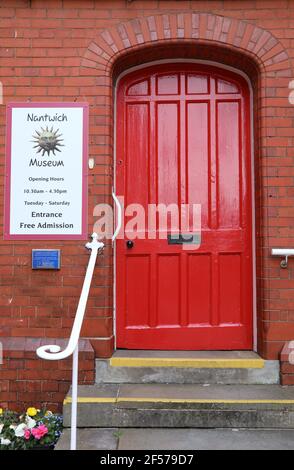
<point>184,367</point>
<point>186,359</point>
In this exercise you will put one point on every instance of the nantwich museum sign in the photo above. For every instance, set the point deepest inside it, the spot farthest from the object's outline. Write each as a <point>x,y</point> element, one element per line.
<point>46,171</point>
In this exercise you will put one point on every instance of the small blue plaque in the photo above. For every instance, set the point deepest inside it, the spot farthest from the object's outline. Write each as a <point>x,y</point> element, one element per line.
<point>46,259</point>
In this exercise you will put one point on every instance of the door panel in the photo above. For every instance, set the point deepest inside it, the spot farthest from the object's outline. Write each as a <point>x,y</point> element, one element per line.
<point>167,123</point>
<point>196,84</point>
<point>168,290</point>
<point>229,180</point>
<point>137,116</point>
<point>137,290</point>
<point>197,117</point>
<point>229,305</point>
<point>183,137</point>
<point>199,306</point>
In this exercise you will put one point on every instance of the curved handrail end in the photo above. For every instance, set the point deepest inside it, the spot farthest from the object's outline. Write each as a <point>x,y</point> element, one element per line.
<point>44,352</point>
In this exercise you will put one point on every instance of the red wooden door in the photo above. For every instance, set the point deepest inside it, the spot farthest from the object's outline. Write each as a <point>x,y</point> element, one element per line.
<point>183,136</point>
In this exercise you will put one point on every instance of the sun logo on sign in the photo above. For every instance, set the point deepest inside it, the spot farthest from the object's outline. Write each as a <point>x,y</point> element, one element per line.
<point>47,141</point>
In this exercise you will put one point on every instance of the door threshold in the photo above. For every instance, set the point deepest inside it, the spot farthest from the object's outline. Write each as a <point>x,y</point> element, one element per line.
<point>187,359</point>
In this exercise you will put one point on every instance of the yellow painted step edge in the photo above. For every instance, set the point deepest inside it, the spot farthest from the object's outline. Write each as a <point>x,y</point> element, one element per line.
<point>199,400</point>
<point>174,400</point>
<point>187,363</point>
<point>68,400</point>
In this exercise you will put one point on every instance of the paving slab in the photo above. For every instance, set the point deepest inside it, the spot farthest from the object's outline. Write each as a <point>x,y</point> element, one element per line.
<point>90,439</point>
<point>179,439</point>
<point>206,439</point>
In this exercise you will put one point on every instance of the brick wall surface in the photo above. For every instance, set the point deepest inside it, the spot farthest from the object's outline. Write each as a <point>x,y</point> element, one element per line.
<point>73,50</point>
<point>286,368</point>
<point>26,380</point>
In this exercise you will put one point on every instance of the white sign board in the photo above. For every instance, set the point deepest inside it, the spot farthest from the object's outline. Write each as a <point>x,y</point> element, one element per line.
<point>46,171</point>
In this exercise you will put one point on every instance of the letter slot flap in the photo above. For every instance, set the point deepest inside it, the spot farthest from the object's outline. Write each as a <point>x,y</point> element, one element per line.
<point>183,239</point>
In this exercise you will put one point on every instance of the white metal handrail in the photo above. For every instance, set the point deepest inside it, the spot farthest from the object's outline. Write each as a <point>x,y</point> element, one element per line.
<point>52,352</point>
<point>284,253</point>
<point>119,216</point>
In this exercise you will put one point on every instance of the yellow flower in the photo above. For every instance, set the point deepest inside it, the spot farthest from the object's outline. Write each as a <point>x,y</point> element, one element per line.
<point>48,413</point>
<point>32,411</point>
<point>1,411</point>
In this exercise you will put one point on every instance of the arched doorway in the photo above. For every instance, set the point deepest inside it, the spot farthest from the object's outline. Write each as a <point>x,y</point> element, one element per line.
<point>183,137</point>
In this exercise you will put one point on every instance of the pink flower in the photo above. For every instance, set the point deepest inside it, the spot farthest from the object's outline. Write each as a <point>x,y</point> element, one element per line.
<point>40,431</point>
<point>27,434</point>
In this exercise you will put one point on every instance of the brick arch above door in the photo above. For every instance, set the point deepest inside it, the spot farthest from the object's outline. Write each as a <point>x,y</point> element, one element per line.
<point>199,28</point>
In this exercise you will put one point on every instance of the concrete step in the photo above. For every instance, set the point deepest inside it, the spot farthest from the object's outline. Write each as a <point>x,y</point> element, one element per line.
<point>187,367</point>
<point>185,406</point>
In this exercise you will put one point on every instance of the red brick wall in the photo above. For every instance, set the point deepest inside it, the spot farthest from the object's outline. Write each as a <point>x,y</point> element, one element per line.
<point>286,369</point>
<point>72,50</point>
<point>26,380</point>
